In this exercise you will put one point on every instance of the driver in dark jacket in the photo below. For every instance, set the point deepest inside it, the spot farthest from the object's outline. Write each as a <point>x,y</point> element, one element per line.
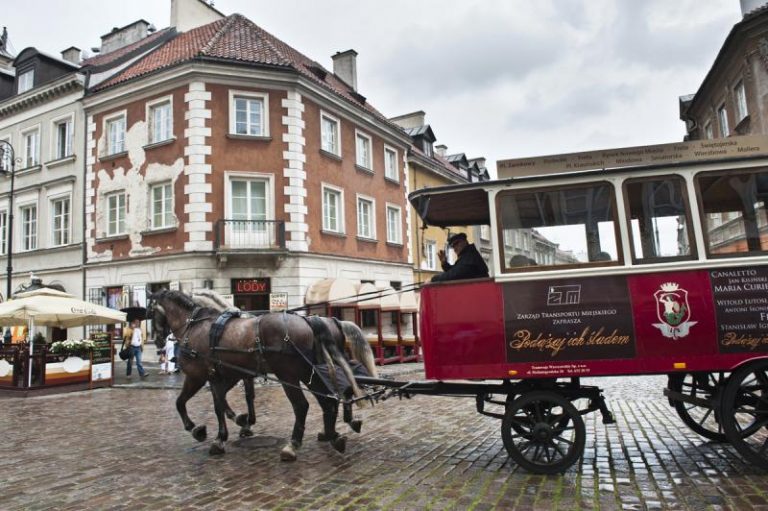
<point>469,263</point>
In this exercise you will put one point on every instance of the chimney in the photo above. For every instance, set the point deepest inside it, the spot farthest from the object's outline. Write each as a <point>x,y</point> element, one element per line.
<point>345,67</point>
<point>189,14</point>
<point>411,120</point>
<point>71,54</point>
<point>747,6</point>
<point>121,37</point>
<point>441,150</point>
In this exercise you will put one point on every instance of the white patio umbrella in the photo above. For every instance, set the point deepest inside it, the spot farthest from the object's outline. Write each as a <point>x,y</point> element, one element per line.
<point>49,307</point>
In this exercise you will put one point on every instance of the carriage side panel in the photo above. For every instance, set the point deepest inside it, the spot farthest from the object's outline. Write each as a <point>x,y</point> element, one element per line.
<point>462,329</point>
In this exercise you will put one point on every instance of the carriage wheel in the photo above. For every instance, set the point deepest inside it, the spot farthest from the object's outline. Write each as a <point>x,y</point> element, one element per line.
<point>745,412</point>
<point>543,432</point>
<point>703,420</point>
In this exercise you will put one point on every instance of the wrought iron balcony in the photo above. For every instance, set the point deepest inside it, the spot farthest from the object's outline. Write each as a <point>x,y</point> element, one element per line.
<point>250,235</point>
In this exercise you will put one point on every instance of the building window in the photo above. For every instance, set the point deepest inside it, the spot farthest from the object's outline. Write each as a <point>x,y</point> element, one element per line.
<point>363,151</point>
<point>161,196</point>
<point>116,214</point>
<point>249,210</point>
<point>329,131</point>
<point>741,102</point>
<point>3,232</point>
<point>709,134</point>
<point>29,227</point>
<point>32,148</point>
<point>333,210</point>
<point>394,229</point>
<point>430,254</point>
<point>248,114</point>
<point>722,117</point>
<point>60,215</point>
<point>366,225</point>
<point>427,146</point>
<point>64,133</point>
<point>391,170</point>
<point>160,121</point>
<point>116,135</point>
<point>26,81</point>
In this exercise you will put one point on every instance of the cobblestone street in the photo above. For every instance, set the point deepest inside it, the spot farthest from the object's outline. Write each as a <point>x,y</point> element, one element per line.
<point>124,448</point>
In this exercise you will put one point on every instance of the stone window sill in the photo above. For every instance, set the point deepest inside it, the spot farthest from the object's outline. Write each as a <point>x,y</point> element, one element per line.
<point>253,138</point>
<point>60,161</point>
<point>108,157</point>
<point>159,144</point>
<point>330,155</point>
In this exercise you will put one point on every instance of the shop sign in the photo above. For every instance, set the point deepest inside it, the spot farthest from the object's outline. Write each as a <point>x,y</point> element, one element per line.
<point>250,286</point>
<point>278,302</point>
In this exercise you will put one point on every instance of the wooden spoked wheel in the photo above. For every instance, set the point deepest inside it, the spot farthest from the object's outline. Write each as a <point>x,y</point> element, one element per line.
<point>702,418</point>
<point>745,412</point>
<point>543,432</point>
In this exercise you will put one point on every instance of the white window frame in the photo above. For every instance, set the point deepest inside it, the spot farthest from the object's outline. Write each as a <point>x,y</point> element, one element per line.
<point>741,101</point>
<point>117,220</point>
<point>151,106</point>
<point>66,229</point>
<point>69,120</point>
<point>326,115</point>
<point>362,160</point>
<point>6,165</point>
<point>35,157</point>
<point>109,149</point>
<point>391,238</point>
<point>709,133</point>
<point>164,214</point>
<point>430,254</point>
<point>26,81</point>
<point>230,176</point>
<point>339,209</point>
<point>264,97</point>
<point>29,230</point>
<point>391,173</point>
<point>372,220</point>
<point>722,121</point>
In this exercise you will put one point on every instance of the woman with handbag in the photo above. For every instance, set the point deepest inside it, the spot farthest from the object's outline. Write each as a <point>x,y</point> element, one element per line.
<point>133,340</point>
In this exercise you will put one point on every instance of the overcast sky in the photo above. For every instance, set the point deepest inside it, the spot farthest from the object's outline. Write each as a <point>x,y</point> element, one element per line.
<point>496,78</point>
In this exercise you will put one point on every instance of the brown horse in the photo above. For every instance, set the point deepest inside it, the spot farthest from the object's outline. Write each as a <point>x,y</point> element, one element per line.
<point>281,343</point>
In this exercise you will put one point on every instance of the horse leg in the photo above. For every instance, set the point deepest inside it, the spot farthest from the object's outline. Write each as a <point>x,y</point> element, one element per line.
<point>189,389</point>
<point>246,421</point>
<point>300,408</point>
<point>218,389</point>
<point>330,413</point>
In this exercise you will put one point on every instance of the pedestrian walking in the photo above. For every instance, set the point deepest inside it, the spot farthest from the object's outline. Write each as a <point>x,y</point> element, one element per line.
<point>133,338</point>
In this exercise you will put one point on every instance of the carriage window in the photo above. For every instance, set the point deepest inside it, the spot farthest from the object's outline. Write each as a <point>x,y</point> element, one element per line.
<point>733,212</point>
<point>658,217</point>
<point>556,227</point>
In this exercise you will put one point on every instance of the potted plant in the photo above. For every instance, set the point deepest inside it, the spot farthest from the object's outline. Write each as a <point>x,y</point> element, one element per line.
<point>73,347</point>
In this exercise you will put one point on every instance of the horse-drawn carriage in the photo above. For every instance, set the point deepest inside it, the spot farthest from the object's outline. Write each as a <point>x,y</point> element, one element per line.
<point>656,267</point>
<point>653,268</point>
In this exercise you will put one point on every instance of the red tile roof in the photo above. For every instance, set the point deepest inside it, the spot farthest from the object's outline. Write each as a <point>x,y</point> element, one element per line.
<point>235,39</point>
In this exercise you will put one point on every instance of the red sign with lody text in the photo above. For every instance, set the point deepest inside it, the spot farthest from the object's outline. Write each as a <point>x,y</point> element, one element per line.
<point>251,286</point>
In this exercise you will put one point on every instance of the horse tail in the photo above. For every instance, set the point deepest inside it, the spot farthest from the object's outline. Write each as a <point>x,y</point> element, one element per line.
<point>333,356</point>
<point>359,347</point>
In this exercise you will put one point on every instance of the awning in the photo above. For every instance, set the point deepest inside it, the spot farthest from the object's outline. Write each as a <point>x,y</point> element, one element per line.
<point>370,299</point>
<point>335,292</point>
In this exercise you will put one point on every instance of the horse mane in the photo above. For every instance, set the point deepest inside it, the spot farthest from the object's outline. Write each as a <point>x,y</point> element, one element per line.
<point>212,299</point>
<point>182,299</point>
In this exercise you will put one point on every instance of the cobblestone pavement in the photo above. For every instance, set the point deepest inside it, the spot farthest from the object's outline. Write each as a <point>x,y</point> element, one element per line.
<point>124,448</point>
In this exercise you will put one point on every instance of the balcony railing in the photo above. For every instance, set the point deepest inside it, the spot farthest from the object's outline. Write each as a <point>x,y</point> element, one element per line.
<point>250,235</point>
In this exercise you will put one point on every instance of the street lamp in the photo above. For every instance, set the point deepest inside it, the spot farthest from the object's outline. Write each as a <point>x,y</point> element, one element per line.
<point>8,158</point>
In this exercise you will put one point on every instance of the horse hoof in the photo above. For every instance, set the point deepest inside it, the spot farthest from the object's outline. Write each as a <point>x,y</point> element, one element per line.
<point>356,425</point>
<point>245,433</point>
<point>322,437</point>
<point>288,453</point>
<point>242,420</point>
<point>199,433</point>
<point>230,415</point>
<point>216,449</point>
<point>340,443</point>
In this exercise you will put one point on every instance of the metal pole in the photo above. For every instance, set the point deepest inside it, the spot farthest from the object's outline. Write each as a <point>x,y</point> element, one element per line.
<point>6,149</point>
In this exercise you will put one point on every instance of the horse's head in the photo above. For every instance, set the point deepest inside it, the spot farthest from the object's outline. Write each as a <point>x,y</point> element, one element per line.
<point>156,313</point>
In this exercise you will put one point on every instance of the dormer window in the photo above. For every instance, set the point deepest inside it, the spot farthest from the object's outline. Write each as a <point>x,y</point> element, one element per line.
<point>26,80</point>
<point>428,148</point>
